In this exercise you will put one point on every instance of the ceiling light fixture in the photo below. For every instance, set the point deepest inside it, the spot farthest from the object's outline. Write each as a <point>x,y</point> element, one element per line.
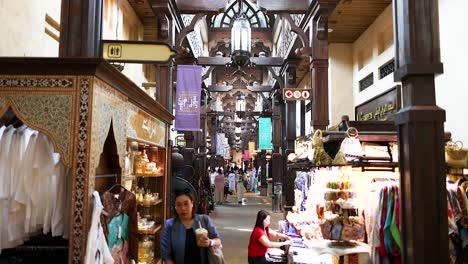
<point>241,39</point>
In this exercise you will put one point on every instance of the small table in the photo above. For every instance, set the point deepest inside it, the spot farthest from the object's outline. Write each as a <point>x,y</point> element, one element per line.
<point>320,252</point>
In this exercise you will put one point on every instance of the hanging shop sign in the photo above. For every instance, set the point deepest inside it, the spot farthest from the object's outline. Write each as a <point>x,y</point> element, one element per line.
<point>381,107</point>
<point>144,127</point>
<point>264,133</point>
<point>296,94</point>
<point>137,51</point>
<point>251,149</point>
<point>188,94</point>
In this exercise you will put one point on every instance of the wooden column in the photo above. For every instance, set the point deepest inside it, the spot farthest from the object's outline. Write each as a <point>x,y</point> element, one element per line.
<point>263,181</point>
<point>164,86</point>
<point>277,163</point>
<point>202,143</point>
<point>421,130</point>
<point>166,33</point>
<point>80,28</point>
<point>321,9</point>
<point>289,138</point>
<point>303,120</point>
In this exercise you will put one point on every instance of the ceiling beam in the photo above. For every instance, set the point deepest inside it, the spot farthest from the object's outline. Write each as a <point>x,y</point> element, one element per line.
<point>259,89</point>
<point>222,61</point>
<point>216,6</point>
<point>240,122</point>
<point>220,88</point>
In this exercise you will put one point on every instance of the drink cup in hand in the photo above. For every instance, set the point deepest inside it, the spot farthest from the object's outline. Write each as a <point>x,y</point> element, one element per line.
<point>201,234</point>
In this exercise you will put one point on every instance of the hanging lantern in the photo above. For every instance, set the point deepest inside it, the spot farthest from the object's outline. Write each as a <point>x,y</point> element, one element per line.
<point>241,41</point>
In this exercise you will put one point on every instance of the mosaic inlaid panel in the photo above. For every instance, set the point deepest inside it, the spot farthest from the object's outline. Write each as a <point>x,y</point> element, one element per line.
<point>78,235</point>
<point>48,82</point>
<point>144,127</point>
<point>43,104</point>
<point>109,107</point>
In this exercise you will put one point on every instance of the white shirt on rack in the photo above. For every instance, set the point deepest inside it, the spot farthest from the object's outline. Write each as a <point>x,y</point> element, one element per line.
<point>5,171</point>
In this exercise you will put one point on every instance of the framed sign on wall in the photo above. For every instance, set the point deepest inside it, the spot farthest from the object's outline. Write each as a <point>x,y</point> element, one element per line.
<point>381,107</point>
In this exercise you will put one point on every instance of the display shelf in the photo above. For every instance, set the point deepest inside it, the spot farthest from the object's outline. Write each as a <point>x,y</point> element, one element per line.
<point>151,231</point>
<point>144,158</point>
<point>368,166</point>
<point>148,175</point>
<point>154,203</point>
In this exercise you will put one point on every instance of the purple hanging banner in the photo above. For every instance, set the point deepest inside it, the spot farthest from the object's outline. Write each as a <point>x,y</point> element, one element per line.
<point>188,94</point>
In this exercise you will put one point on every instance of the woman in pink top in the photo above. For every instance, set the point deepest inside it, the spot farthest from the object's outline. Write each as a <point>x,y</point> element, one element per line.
<point>219,187</point>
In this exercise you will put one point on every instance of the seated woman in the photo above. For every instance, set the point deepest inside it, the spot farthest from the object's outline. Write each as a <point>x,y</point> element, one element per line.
<point>179,244</point>
<point>260,239</point>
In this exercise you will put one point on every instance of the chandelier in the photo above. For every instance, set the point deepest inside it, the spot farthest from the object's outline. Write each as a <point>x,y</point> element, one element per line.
<point>241,41</point>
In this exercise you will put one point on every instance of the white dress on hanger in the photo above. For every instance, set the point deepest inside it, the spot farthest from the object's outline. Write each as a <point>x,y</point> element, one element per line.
<point>45,165</point>
<point>97,250</point>
<point>5,171</point>
<point>24,177</point>
<point>59,212</point>
<point>16,211</point>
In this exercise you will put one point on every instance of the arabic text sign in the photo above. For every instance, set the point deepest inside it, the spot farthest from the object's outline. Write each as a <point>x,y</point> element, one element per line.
<point>381,107</point>
<point>142,126</point>
<point>188,94</point>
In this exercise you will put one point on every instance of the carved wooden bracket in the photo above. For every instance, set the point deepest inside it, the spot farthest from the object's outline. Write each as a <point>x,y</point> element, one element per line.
<point>300,33</point>
<point>183,34</point>
<point>276,77</point>
<point>208,72</point>
<point>322,27</point>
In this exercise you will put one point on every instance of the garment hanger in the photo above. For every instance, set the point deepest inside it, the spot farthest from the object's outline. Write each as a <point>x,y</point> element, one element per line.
<point>15,122</point>
<point>383,179</point>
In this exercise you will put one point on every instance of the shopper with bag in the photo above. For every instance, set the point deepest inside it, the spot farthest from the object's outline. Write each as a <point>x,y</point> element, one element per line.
<point>260,239</point>
<point>189,237</point>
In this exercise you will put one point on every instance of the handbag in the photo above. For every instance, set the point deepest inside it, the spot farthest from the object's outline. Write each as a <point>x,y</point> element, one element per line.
<point>455,155</point>
<point>339,159</point>
<point>215,256</point>
<point>321,157</point>
<point>351,146</point>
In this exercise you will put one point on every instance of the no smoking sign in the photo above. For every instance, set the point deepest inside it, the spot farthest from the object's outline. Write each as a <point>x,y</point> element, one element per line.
<point>296,94</point>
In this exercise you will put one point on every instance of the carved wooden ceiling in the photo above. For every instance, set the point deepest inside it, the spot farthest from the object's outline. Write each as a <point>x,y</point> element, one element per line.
<point>213,6</point>
<point>348,21</point>
<point>352,17</point>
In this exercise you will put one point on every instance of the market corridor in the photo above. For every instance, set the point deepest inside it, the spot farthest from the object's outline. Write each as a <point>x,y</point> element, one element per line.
<point>235,223</point>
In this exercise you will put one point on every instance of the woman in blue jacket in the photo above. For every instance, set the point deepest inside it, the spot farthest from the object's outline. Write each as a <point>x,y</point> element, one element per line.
<point>178,241</point>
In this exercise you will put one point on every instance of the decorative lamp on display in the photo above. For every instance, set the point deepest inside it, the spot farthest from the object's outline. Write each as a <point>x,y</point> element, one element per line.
<point>241,41</point>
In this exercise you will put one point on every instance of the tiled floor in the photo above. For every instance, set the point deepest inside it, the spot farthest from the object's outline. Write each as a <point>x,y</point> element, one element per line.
<point>235,223</point>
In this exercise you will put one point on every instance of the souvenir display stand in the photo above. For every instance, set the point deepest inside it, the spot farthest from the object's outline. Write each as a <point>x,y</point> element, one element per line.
<point>331,191</point>
<point>92,113</point>
<point>347,202</point>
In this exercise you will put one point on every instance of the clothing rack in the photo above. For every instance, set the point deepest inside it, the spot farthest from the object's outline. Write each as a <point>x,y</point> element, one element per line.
<point>364,165</point>
<point>108,175</point>
<point>456,171</point>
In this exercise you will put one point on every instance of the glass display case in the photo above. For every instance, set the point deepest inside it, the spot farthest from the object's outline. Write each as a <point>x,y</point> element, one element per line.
<point>146,178</point>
